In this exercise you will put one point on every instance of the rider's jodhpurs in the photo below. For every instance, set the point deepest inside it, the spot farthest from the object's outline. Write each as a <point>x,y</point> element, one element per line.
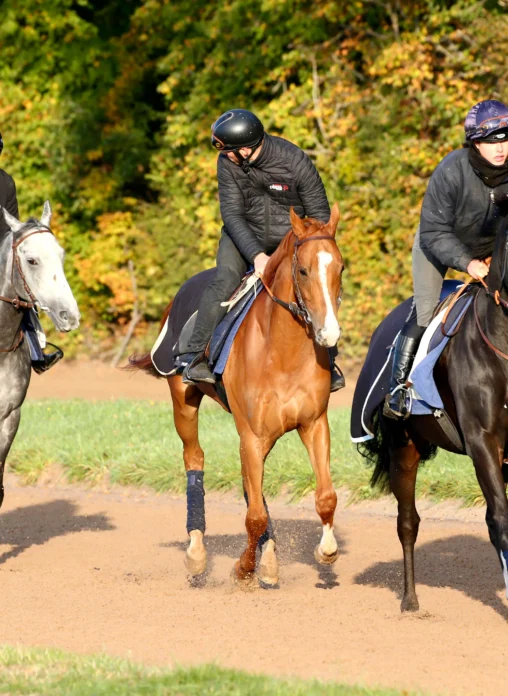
<point>231,267</point>
<point>428,274</point>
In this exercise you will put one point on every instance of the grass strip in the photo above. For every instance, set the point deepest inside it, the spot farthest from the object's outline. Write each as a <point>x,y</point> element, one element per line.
<point>135,443</point>
<point>54,673</point>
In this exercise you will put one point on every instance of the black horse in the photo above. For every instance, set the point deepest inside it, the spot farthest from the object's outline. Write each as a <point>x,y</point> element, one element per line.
<point>472,377</point>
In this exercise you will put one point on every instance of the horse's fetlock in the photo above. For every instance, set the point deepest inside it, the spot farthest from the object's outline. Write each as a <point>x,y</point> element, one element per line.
<point>326,503</point>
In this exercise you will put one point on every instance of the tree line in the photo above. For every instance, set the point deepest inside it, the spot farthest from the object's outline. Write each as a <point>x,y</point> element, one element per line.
<point>106,107</point>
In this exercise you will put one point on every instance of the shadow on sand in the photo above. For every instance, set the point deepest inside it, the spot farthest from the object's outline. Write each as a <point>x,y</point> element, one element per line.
<point>296,541</point>
<point>35,525</point>
<point>463,562</point>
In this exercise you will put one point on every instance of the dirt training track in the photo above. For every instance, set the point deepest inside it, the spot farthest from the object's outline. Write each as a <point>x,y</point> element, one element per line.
<point>94,571</point>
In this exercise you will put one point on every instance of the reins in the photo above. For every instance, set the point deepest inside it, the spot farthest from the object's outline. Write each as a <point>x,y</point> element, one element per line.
<point>17,302</point>
<point>497,299</point>
<point>298,308</point>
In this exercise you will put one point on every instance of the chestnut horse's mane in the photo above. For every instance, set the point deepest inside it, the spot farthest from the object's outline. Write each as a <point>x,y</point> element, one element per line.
<point>284,248</point>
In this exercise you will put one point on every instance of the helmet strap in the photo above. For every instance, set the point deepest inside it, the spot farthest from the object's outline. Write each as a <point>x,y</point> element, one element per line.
<point>244,162</point>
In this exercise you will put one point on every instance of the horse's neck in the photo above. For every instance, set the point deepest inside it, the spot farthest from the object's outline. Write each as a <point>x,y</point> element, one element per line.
<point>9,317</point>
<point>283,329</point>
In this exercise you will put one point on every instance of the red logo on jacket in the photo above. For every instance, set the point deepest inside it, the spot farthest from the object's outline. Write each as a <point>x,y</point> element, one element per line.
<point>279,187</point>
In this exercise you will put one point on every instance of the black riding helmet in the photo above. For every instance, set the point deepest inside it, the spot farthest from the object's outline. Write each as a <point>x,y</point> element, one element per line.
<point>235,129</point>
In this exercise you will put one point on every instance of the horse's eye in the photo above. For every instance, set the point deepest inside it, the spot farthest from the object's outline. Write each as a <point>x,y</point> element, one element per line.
<point>32,262</point>
<point>303,272</point>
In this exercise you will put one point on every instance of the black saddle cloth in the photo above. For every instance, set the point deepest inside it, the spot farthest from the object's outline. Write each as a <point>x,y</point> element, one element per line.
<point>374,379</point>
<point>180,322</point>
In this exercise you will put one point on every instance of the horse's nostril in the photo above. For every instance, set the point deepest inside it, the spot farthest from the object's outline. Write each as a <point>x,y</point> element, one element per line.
<point>63,315</point>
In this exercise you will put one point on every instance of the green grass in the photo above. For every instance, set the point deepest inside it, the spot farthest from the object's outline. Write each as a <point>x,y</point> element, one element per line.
<point>134,443</point>
<point>53,673</point>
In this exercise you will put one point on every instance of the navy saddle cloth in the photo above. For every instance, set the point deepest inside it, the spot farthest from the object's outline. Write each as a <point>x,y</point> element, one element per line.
<point>374,380</point>
<point>180,322</point>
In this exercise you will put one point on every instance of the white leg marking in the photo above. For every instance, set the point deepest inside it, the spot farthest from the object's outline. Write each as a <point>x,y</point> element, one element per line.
<point>328,543</point>
<point>505,572</point>
<point>331,328</point>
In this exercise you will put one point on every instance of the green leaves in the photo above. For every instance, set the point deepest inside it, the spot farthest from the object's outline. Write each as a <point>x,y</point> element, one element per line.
<point>106,109</point>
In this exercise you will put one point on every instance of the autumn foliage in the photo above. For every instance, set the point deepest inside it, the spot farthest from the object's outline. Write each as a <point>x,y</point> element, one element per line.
<point>106,106</point>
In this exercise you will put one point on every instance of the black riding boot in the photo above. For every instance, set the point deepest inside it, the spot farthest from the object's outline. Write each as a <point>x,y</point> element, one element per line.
<point>48,360</point>
<point>197,369</point>
<point>395,405</point>
<point>338,380</point>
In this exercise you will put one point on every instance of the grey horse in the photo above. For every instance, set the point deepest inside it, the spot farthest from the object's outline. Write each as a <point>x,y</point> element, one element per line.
<point>31,276</point>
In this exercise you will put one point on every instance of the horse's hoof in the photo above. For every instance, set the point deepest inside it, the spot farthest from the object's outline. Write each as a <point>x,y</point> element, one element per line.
<point>324,558</point>
<point>195,556</point>
<point>195,566</point>
<point>268,570</point>
<point>409,604</point>
<point>244,580</point>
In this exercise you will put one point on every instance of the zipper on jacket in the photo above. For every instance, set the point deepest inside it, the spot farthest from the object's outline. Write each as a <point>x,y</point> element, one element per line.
<point>267,221</point>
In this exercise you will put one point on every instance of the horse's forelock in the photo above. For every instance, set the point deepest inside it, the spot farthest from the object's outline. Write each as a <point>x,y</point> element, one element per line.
<point>312,227</point>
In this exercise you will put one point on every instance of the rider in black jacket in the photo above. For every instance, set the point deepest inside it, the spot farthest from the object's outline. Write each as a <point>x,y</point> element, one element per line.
<point>464,196</point>
<point>260,177</point>
<point>8,198</point>
<point>9,201</point>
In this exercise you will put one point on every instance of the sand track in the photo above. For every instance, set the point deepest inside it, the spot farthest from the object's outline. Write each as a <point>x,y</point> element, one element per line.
<point>88,571</point>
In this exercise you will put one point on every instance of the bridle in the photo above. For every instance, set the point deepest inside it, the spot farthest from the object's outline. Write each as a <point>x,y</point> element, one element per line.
<point>298,308</point>
<point>17,302</point>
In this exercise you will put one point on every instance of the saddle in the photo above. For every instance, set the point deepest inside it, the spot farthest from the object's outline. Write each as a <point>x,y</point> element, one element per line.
<point>374,379</point>
<point>179,325</point>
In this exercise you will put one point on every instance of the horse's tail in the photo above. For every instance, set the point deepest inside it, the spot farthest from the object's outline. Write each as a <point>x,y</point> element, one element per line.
<point>144,362</point>
<point>377,451</point>
<point>387,435</point>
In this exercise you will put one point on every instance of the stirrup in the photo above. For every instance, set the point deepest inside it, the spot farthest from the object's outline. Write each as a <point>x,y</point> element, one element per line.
<point>49,359</point>
<point>398,403</point>
<point>338,379</point>
<point>198,371</point>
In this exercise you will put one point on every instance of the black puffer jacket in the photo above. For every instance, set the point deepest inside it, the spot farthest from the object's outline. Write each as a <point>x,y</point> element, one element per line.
<point>254,204</point>
<point>7,199</point>
<point>458,215</point>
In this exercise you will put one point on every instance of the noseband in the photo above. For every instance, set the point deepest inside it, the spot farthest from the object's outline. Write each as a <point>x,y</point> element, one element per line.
<point>298,308</point>
<point>17,302</point>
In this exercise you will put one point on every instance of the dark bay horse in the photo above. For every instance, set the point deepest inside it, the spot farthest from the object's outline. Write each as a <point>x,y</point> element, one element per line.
<point>472,377</point>
<point>277,379</point>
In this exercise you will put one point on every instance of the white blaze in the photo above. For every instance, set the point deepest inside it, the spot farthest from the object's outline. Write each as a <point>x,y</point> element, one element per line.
<point>330,332</point>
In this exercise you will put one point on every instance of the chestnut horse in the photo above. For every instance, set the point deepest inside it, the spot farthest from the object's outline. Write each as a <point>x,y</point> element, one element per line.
<point>277,379</point>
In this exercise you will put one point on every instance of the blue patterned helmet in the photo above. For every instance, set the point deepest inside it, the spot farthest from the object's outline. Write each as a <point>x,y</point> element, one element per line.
<point>487,121</point>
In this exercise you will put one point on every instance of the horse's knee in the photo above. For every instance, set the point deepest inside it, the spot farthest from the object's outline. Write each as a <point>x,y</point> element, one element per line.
<point>326,502</point>
<point>407,526</point>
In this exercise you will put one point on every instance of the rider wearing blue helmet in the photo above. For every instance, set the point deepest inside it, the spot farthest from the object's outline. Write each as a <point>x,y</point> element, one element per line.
<point>463,198</point>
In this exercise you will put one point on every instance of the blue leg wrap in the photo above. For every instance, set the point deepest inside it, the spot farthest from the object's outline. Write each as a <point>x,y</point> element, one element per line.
<point>195,501</point>
<point>269,533</point>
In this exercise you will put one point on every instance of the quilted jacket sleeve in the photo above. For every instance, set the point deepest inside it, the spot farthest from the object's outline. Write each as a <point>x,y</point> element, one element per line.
<point>311,190</point>
<point>438,218</point>
<point>232,210</point>
<point>7,199</point>
<point>11,203</point>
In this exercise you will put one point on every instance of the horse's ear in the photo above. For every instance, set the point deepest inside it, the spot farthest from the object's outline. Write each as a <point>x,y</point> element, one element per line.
<point>12,222</point>
<point>334,220</point>
<point>296,223</point>
<point>46,214</point>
